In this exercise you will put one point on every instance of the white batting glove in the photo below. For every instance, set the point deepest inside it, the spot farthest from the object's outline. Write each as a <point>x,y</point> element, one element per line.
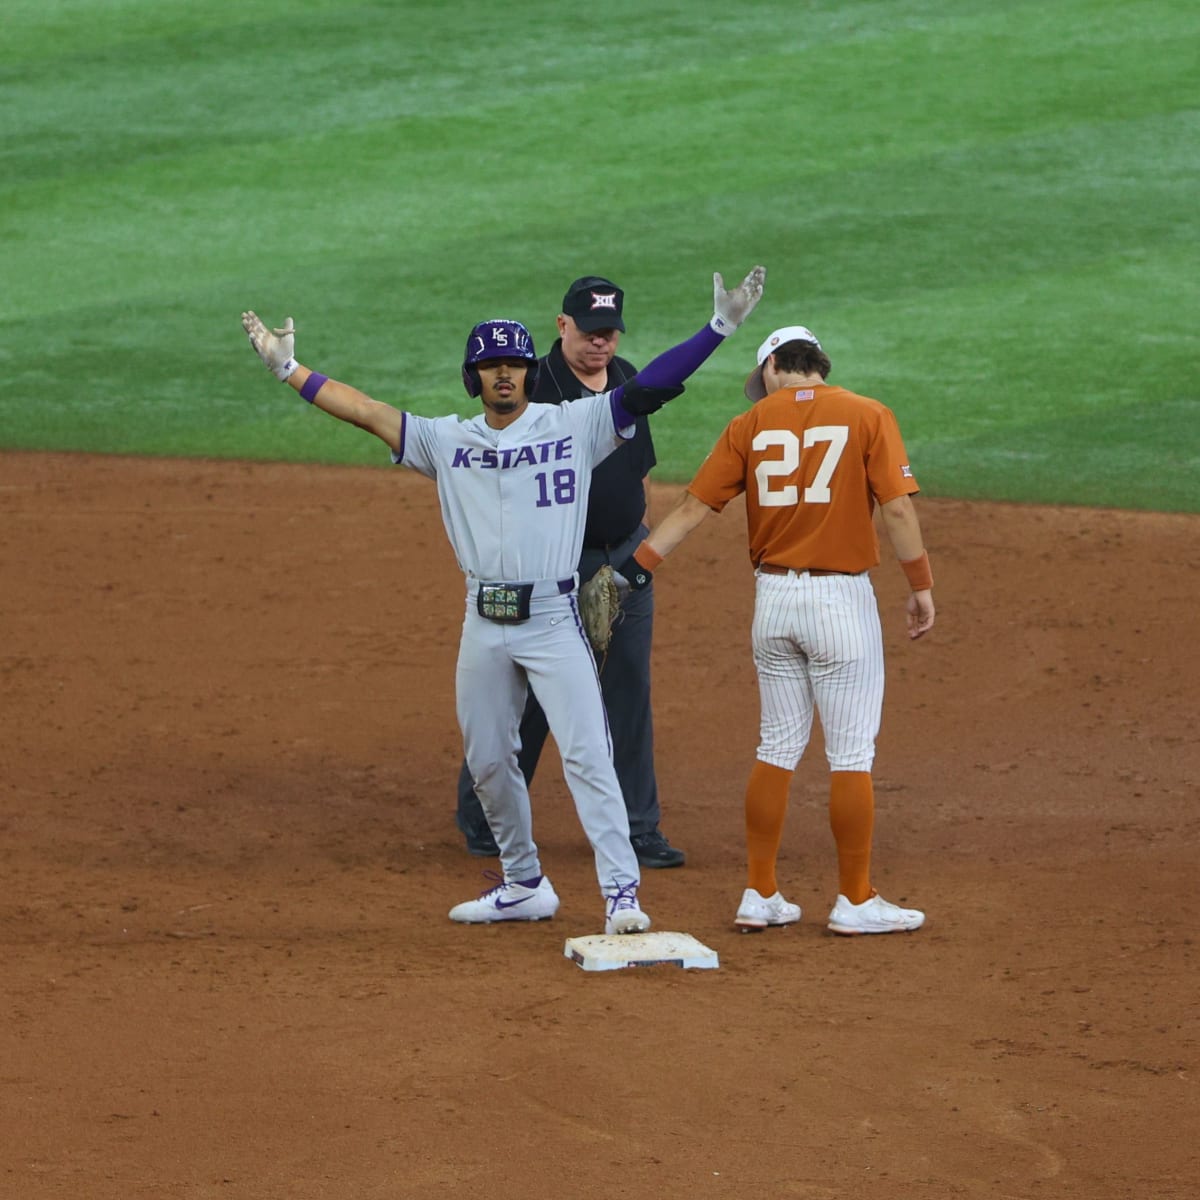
<point>731,308</point>
<point>274,346</point>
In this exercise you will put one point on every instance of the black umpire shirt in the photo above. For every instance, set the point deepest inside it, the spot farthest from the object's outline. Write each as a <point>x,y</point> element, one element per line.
<point>617,501</point>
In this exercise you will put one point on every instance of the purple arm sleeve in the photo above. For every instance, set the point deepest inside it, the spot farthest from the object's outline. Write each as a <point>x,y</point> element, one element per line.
<point>671,367</point>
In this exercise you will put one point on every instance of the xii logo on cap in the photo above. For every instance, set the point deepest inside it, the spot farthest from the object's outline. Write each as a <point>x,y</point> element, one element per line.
<point>604,300</point>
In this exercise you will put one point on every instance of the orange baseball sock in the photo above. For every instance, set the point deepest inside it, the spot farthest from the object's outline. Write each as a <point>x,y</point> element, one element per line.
<point>766,808</point>
<point>852,819</point>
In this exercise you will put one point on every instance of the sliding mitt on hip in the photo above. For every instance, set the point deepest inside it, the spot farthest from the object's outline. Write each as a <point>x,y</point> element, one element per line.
<point>599,603</point>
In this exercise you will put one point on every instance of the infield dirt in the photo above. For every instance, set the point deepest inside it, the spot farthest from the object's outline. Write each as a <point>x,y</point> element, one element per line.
<point>227,848</point>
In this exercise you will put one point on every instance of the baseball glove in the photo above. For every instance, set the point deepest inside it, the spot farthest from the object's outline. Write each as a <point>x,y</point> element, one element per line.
<point>599,602</point>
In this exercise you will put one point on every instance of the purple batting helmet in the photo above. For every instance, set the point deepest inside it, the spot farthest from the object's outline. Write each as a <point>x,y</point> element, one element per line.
<point>498,339</point>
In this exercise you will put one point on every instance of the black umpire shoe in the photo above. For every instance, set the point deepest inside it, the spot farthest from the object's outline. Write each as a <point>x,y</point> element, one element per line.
<point>483,845</point>
<point>480,841</point>
<point>653,850</point>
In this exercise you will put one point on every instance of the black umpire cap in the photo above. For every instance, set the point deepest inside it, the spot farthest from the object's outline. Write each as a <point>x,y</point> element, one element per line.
<point>594,303</point>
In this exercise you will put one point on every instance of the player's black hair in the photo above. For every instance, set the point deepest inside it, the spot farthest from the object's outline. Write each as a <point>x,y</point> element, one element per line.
<point>803,358</point>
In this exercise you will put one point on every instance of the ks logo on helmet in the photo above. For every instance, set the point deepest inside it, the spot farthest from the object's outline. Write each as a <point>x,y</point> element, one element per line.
<point>498,339</point>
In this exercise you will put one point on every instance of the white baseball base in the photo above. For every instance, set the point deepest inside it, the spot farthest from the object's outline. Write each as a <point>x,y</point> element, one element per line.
<point>611,952</point>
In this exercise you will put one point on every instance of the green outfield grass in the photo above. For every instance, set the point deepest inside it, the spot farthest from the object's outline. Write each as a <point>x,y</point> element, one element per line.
<point>986,211</point>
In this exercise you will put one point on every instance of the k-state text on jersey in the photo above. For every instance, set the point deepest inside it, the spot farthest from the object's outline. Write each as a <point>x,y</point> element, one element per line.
<point>513,456</point>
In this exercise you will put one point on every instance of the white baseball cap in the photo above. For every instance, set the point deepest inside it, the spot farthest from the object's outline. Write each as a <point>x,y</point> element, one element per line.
<point>755,388</point>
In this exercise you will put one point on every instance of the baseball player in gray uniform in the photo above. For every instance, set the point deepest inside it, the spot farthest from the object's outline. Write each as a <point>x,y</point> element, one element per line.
<point>513,486</point>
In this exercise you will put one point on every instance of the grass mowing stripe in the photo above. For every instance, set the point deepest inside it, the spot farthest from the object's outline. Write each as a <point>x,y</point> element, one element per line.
<point>349,69</point>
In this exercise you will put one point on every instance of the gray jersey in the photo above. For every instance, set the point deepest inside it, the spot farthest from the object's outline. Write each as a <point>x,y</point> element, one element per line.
<point>514,500</point>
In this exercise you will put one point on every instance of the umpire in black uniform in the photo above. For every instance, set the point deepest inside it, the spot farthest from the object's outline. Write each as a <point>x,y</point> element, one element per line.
<point>583,362</point>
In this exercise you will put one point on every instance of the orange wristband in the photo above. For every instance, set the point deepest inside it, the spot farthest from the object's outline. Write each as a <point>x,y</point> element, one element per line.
<point>647,556</point>
<point>920,578</point>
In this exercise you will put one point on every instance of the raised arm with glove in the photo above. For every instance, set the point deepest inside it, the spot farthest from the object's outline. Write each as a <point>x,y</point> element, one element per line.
<point>730,308</point>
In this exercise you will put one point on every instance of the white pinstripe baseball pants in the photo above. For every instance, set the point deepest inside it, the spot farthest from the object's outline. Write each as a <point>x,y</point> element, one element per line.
<point>818,642</point>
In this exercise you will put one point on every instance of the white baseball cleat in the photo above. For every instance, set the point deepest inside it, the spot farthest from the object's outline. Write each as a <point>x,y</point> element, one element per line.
<point>508,901</point>
<point>757,912</point>
<point>873,915</point>
<point>623,914</point>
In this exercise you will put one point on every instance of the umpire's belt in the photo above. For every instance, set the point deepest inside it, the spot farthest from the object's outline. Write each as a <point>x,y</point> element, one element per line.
<point>638,532</point>
<point>775,569</point>
<point>508,603</point>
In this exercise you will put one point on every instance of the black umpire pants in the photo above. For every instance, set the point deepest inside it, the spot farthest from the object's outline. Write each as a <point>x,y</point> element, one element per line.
<point>625,685</point>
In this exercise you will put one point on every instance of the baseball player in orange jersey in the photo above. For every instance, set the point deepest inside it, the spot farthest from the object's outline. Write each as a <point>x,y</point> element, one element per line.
<point>814,461</point>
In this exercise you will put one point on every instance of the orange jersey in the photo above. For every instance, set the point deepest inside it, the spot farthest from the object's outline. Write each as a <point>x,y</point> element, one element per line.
<point>813,462</point>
